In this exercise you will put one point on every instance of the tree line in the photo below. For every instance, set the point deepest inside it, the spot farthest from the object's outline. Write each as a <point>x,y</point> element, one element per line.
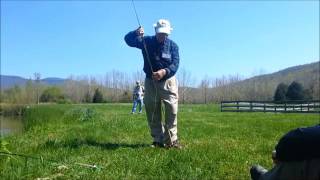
<point>117,87</point>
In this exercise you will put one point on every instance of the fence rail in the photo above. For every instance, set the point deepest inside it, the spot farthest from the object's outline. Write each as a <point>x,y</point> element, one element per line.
<point>271,106</point>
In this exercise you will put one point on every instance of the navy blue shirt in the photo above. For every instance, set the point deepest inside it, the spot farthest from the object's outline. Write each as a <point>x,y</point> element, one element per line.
<point>299,144</point>
<point>162,55</point>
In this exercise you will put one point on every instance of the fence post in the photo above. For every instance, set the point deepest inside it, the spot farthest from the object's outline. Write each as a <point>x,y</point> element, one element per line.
<point>250,105</point>
<point>264,107</point>
<point>285,107</point>
<point>238,106</point>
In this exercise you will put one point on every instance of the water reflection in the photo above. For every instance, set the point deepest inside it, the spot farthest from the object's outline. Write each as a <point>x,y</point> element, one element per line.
<point>10,125</point>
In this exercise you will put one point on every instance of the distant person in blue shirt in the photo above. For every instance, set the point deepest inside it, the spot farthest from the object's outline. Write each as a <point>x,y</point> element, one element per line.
<point>296,157</point>
<point>137,94</point>
<point>161,62</point>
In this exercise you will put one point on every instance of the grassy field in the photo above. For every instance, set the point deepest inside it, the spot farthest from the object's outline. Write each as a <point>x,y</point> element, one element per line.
<point>65,139</point>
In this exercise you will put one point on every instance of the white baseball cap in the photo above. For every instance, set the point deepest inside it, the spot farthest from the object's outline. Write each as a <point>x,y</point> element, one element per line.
<point>163,26</point>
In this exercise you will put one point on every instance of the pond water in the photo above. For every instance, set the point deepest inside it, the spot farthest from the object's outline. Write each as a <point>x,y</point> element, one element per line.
<point>10,125</point>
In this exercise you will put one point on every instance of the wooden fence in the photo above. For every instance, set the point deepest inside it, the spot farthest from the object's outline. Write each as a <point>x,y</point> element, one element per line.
<point>271,106</point>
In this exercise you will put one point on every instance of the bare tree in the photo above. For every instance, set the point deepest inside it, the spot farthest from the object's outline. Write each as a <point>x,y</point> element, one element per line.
<point>184,79</point>
<point>37,80</point>
<point>115,82</point>
<point>73,88</point>
<point>138,76</point>
<point>204,86</point>
<point>220,88</point>
<point>29,92</point>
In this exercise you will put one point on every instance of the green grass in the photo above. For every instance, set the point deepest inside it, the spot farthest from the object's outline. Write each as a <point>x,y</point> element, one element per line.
<point>217,145</point>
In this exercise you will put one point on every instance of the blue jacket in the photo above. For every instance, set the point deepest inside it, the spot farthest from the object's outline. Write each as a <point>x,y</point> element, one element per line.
<point>162,56</point>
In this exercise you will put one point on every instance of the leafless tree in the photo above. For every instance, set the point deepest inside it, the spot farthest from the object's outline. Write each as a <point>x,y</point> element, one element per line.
<point>73,88</point>
<point>185,83</point>
<point>204,86</point>
<point>37,77</point>
<point>138,76</point>
<point>29,93</point>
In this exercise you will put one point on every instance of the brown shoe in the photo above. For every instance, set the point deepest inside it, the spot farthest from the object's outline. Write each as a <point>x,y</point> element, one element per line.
<point>174,144</point>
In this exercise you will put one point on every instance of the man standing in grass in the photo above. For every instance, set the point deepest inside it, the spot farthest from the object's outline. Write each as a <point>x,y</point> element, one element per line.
<point>161,62</point>
<point>137,94</point>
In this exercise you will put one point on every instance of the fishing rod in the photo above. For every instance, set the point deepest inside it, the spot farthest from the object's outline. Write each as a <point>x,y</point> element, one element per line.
<point>148,59</point>
<point>143,41</point>
<point>135,11</point>
<point>151,68</point>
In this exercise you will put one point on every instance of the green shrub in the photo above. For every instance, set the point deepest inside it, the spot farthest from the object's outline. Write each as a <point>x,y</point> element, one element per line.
<point>51,94</point>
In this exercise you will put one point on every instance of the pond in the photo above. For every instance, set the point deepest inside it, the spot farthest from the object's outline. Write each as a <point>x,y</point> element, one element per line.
<point>10,125</point>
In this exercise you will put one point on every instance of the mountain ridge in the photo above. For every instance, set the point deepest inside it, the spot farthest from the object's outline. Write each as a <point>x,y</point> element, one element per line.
<point>306,74</point>
<point>9,81</point>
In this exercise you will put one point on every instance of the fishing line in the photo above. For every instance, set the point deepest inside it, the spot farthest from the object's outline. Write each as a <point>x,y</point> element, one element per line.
<point>48,160</point>
<point>149,62</point>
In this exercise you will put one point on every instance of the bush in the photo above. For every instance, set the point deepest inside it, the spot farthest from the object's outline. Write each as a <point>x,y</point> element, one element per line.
<point>280,93</point>
<point>295,91</point>
<point>51,94</point>
<point>64,101</point>
<point>97,97</point>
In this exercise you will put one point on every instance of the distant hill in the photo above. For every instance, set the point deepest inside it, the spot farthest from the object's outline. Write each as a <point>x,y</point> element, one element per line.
<point>265,85</point>
<point>53,81</point>
<point>10,81</point>
<point>307,75</point>
<point>261,87</point>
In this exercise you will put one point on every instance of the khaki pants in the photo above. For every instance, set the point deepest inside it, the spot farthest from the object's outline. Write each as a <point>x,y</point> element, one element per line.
<point>304,170</point>
<point>167,92</point>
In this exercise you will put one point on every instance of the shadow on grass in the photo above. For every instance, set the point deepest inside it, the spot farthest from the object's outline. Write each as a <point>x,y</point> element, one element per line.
<point>76,143</point>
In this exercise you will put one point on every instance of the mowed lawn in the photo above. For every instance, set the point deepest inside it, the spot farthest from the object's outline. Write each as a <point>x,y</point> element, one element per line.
<point>66,139</point>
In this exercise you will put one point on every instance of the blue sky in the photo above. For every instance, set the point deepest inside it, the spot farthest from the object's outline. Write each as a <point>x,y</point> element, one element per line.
<point>216,38</point>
